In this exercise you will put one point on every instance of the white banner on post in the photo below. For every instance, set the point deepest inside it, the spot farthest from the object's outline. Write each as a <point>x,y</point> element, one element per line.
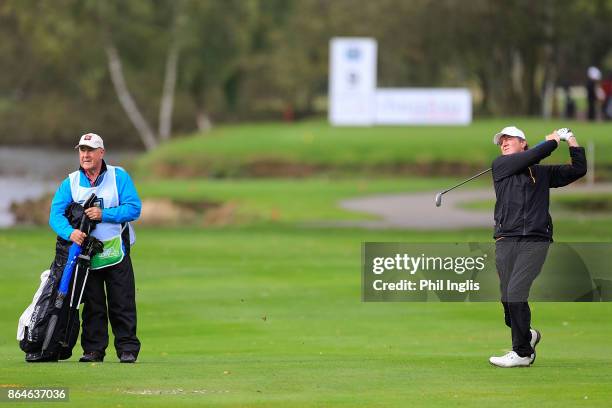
<point>355,101</point>
<point>423,106</point>
<point>352,81</point>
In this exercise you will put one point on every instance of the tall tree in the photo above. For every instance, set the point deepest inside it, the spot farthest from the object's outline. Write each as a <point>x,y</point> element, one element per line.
<point>214,54</point>
<point>145,20</point>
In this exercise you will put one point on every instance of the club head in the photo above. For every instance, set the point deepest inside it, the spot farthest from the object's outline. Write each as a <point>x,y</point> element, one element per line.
<point>438,199</point>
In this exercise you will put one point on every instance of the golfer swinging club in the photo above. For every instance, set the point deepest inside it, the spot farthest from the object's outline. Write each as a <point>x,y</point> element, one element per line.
<point>523,226</point>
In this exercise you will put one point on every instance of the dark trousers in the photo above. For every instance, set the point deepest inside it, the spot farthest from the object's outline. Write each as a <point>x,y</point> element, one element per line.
<point>519,261</point>
<point>121,311</point>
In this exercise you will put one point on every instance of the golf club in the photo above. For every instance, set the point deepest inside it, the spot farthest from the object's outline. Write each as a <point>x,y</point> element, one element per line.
<point>439,195</point>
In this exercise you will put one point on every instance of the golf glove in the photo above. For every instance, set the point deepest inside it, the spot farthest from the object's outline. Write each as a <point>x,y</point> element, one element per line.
<point>564,133</point>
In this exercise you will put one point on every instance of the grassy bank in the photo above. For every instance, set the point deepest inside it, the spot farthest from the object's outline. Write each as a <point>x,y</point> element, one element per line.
<point>287,201</point>
<point>308,148</point>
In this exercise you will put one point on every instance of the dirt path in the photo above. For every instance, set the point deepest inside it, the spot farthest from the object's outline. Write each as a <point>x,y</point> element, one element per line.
<point>418,210</point>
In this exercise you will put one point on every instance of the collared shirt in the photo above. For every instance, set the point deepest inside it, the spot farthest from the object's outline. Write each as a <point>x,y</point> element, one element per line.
<point>128,209</point>
<point>99,178</point>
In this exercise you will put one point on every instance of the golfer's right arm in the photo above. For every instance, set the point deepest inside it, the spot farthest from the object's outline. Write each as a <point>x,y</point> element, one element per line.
<point>58,222</point>
<point>505,166</point>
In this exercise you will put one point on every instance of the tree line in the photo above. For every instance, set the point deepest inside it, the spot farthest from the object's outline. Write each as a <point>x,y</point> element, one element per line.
<point>140,71</point>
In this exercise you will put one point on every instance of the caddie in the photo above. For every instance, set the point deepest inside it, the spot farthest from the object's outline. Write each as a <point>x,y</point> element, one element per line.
<point>118,204</point>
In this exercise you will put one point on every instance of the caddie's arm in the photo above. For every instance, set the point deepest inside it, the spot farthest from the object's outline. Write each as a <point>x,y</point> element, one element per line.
<point>57,220</point>
<point>129,203</point>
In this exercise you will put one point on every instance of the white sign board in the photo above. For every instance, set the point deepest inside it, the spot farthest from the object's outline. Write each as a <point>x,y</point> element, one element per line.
<point>355,101</point>
<point>423,106</point>
<point>352,81</point>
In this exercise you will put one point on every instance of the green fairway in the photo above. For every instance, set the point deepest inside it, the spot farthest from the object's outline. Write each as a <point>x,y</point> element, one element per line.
<point>303,203</point>
<point>272,317</point>
<point>289,201</point>
<point>244,149</point>
<point>267,311</point>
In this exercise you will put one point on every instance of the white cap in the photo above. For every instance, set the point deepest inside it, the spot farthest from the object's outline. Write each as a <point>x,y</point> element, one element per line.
<point>594,73</point>
<point>92,140</point>
<point>509,131</point>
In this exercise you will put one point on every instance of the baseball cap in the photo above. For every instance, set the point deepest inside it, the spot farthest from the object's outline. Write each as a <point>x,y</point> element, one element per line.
<point>92,140</point>
<point>509,131</point>
<point>594,73</point>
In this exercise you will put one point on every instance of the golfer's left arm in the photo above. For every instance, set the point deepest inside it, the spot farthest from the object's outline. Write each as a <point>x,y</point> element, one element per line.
<point>562,175</point>
<point>129,203</point>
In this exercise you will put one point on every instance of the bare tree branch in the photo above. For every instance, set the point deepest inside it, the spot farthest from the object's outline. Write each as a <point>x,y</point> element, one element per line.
<point>125,98</point>
<point>167,100</point>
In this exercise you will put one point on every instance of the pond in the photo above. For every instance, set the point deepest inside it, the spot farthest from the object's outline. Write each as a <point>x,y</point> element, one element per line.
<point>27,173</point>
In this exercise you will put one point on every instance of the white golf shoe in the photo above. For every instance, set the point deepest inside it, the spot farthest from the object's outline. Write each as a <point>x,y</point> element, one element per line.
<point>510,360</point>
<point>536,336</point>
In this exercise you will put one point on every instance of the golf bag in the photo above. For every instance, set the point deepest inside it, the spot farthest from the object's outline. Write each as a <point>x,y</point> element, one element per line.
<point>35,320</point>
<point>48,329</point>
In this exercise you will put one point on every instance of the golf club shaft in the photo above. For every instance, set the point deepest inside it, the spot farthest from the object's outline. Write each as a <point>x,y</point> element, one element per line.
<point>68,325</point>
<point>82,289</point>
<point>465,181</point>
<point>76,275</point>
<point>71,313</point>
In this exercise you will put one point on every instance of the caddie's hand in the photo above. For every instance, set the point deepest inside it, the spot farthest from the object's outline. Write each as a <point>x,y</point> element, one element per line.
<point>553,136</point>
<point>94,213</point>
<point>77,236</point>
<point>564,133</point>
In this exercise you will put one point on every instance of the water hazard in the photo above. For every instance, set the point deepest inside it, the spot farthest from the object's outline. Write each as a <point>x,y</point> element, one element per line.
<point>29,173</point>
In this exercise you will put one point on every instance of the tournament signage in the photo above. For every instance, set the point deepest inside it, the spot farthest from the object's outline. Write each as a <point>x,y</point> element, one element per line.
<point>423,106</point>
<point>352,82</point>
<point>354,99</point>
